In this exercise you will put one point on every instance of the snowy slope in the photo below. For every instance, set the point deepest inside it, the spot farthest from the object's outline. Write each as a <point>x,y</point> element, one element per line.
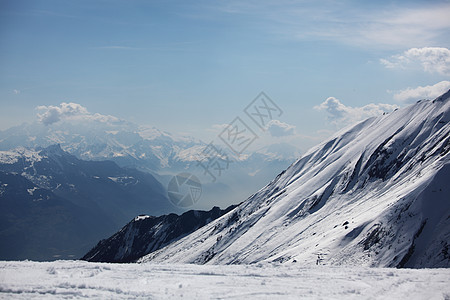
<point>375,194</point>
<point>81,280</point>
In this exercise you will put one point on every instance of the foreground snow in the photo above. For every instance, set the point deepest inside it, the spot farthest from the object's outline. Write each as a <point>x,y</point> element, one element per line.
<point>77,279</point>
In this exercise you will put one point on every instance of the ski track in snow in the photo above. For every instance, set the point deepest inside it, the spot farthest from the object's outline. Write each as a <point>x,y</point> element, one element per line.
<point>78,279</point>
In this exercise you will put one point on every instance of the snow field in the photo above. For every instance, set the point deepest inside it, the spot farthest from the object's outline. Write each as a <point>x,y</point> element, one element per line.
<point>78,279</point>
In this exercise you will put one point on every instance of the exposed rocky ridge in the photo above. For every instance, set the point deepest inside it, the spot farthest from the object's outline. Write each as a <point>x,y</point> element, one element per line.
<point>146,234</point>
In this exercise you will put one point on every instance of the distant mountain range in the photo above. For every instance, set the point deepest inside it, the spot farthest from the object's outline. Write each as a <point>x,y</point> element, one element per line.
<point>154,151</point>
<point>54,205</point>
<point>127,144</point>
<point>374,194</point>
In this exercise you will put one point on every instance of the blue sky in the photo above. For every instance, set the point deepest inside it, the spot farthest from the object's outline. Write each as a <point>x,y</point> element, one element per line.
<point>190,66</point>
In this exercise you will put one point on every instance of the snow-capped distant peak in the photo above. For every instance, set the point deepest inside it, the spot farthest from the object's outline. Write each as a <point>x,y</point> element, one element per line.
<point>13,156</point>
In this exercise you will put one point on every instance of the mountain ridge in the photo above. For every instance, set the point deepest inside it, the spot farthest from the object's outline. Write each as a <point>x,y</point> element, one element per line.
<point>146,234</point>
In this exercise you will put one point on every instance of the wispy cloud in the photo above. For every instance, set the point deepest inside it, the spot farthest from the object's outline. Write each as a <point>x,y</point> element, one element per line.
<point>49,13</point>
<point>178,46</point>
<point>118,47</point>
<point>430,59</point>
<point>341,115</point>
<point>407,27</point>
<point>422,92</point>
<point>392,27</point>
<point>70,111</point>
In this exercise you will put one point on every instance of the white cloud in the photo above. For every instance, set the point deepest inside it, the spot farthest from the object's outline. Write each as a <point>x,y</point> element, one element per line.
<point>16,92</point>
<point>422,92</point>
<point>430,59</point>
<point>277,128</point>
<point>341,114</point>
<point>69,111</point>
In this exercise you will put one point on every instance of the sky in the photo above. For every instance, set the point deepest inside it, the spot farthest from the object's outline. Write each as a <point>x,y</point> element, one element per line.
<point>189,67</point>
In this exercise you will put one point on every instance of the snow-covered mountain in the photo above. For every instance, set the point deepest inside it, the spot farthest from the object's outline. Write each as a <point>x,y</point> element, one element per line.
<point>146,234</point>
<point>53,205</point>
<point>375,194</point>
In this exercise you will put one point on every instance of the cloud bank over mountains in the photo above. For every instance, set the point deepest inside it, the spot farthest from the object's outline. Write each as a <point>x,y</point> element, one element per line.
<point>277,128</point>
<point>341,115</point>
<point>422,92</point>
<point>70,111</point>
<point>432,60</point>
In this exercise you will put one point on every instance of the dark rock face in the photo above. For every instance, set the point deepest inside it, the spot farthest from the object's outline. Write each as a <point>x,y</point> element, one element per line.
<point>145,234</point>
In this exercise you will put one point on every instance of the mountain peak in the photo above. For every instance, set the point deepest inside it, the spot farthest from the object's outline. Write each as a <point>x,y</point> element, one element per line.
<point>54,150</point>
<point>444,97</point>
